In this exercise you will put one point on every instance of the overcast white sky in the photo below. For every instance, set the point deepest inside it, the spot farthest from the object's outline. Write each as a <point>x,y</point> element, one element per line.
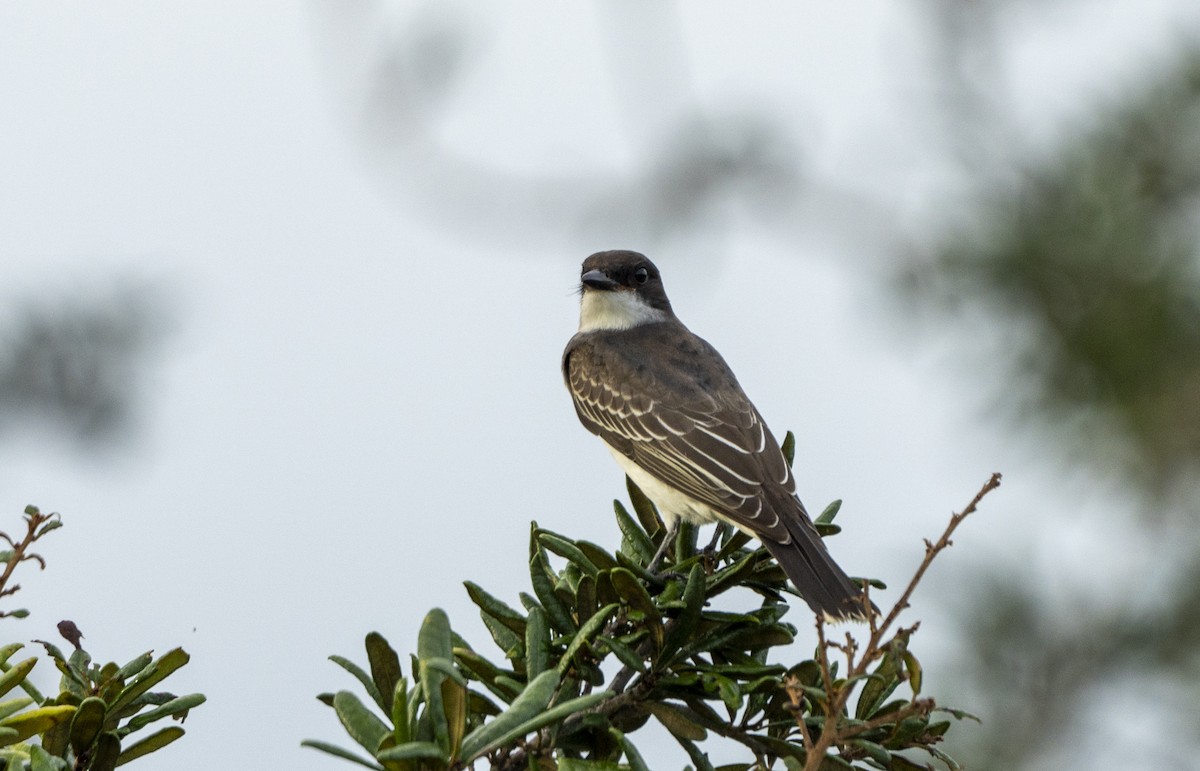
<point>358,404</point>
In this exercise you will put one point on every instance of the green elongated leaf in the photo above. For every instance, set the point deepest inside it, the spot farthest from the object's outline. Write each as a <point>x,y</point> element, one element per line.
<point>584,636</point>
<point>12,706</point>
<point>585,597</point>
<point>632,756</point>
<point>789,448</point>
<point>529,602</point>
<point>537,643</point>
<point>434,641</point>
<point>135,666</point>
<point>478,704</point>
<point>483,670</point>
<point>81,664</point>
<point>825,531</point>
<point>107,752</point>
<point>736,541</point>
<point>54,651</point>
<point>7,652</point>
<point>175,707</point>
<point>937,729</point>
<point>491,735</point>
<point>907,730</point>
<point>36,721</point>
<point>505,638</point>
<point>873,751</point>
<point>627,656</point>
<point>835,763</point>
<point>566,549</point>
<point>829,513</point>
<point>685,542</point>
<point>152,743</point>
<point>413,751</point>
<point>913,668</point>
<point>959,714</point>
<point>682,627</point>
<point>148,678</point>
<point>597,555</point>
<point>634,540</point>
<point>747,671</point>
<point>87,723</point>
<point>435,710</point>
<point>9,736</point>
<point>41,760</point>
<point>454,697</point>
<point>729,692</point>
<point>361,723</point>
<point>338,752</point>
<point>698,757</point>
<point>447,668</point>
<point>361,676</point>
<point>14,676</point>
<point>878,686</point>
<point>532,700</point>
<point>647,514</point>
<point>767,636</point>
<point>57,740</point>
<point>401,730</point>
<point>629,564</point>
<point>385,668</point>
<point>630,590</point>
<point>605,591</point>
<point>727,578</point>
<point>497,609</point>
<point>674,720</point>
<point>540,575</point>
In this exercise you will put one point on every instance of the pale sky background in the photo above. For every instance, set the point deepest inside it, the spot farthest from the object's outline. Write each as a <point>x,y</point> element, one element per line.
<point>356,403</point>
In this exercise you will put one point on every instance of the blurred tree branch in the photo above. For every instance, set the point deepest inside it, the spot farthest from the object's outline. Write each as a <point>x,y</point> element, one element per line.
<point>1081,272</point>
<point>76,364</point>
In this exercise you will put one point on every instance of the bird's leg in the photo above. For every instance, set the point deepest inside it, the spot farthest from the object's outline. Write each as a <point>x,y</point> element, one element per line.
<point>710,551</point>
<point>716,539</point>
<point>668,539</point>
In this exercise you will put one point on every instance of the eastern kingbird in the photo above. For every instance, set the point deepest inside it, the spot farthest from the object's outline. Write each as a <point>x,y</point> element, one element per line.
<point>673,415</point>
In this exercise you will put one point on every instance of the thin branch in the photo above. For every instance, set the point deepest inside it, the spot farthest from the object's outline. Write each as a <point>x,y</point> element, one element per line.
<point>34,520</point>
<point>837,698</point>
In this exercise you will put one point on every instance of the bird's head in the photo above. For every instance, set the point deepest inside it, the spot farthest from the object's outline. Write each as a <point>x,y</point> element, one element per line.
<point>621,289</point>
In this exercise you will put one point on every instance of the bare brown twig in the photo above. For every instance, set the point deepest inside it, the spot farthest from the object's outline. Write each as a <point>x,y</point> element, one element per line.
<point>37,524</point>
<point>838,694</point>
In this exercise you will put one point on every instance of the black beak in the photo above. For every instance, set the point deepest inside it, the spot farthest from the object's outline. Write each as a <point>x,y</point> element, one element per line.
<point>596,279</point>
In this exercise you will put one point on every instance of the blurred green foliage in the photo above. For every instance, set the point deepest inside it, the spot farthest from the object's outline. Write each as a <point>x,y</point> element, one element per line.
<point>1085,270</point>
<point>1090,262</point>
<point>77,364</point>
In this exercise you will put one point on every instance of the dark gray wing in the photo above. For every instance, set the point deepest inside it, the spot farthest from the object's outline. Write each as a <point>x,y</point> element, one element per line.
<point>677,411</point>
<point>667,400</point>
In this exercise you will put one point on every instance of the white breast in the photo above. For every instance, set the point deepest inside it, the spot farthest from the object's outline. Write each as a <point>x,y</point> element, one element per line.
<point>671,503</point>
<point>615,309</point>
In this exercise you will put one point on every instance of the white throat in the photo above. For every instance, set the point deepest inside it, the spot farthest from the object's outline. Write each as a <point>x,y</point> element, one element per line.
<point>614,310</point>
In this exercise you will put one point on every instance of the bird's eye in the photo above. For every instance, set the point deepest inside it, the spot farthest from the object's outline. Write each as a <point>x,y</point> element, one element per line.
<point>641,275</point>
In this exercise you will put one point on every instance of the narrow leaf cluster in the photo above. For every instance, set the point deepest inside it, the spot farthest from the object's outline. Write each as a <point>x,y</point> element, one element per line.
<point>96,721</point>
<point>602,645</point>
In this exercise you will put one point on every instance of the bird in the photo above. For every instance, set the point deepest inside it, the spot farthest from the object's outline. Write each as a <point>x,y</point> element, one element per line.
<point>675,418</point>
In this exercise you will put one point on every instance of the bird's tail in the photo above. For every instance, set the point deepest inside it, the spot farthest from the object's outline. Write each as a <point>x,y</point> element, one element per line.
<point>823,585</point>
